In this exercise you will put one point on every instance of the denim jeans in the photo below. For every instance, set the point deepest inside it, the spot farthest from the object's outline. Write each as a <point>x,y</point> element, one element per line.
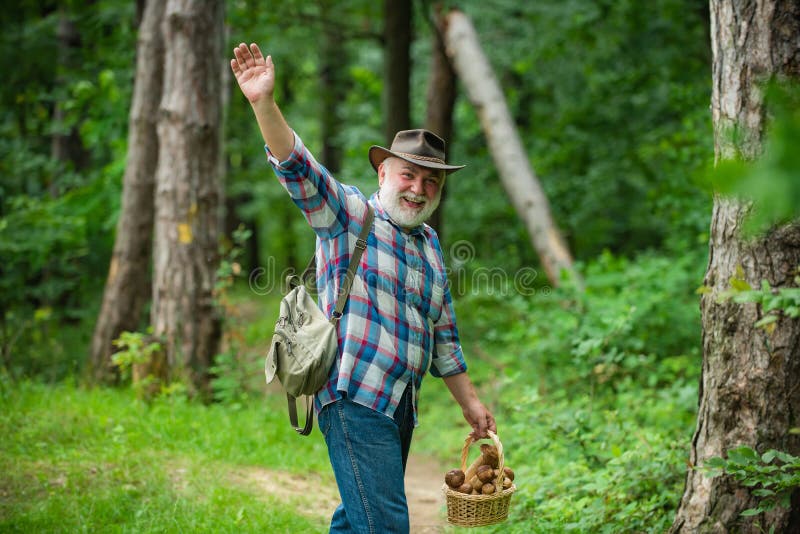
<point>368,453</point>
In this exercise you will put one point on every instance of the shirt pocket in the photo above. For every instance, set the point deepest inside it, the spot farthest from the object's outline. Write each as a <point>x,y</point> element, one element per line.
<point>438,289</point>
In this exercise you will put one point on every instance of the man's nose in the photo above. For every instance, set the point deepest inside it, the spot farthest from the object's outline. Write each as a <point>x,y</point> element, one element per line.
<point>416,186</point>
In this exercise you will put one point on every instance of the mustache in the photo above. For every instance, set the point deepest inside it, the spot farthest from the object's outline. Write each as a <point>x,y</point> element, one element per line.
<point>414,198</point>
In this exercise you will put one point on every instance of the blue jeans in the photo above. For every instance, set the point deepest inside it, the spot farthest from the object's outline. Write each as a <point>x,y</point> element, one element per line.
<point>368,453</point>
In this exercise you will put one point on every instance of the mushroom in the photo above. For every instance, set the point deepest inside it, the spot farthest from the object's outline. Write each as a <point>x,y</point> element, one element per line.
<point>485,475</point>
<point>490,455</point>
<point>509,473</point>
<point>454,478</point>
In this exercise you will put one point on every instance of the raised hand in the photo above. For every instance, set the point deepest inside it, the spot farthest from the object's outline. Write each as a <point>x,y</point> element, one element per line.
<point>254,73</point>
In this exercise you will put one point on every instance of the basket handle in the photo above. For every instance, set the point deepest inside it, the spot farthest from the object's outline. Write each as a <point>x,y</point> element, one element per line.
<point>468,472</point>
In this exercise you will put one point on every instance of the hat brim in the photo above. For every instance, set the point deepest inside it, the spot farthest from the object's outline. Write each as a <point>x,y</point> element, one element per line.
<point>377,154</point>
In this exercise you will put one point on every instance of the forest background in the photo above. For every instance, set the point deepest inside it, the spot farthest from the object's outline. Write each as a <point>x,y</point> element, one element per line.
<point>595,390</point>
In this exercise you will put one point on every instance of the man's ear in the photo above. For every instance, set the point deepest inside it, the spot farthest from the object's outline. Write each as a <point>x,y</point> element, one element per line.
<point>381,172</point>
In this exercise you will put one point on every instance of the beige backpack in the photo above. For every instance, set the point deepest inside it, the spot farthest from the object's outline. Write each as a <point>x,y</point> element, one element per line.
<point>304,344</point>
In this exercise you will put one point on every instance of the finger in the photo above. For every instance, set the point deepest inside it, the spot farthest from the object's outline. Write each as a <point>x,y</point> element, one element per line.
<point>480,428</point>
<point>256,51</point>
<point>245,57</point>
<point>239,52</point>
<point>492,424</point>
<point>235,67</point>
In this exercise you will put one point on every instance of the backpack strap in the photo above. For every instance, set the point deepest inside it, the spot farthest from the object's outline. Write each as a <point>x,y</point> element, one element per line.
<point>344,293</point>
<point>355,259</point>
<point>306,429</point>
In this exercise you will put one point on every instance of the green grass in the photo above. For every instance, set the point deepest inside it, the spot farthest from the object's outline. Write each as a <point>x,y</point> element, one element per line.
<point>594,393</point>
<point>90,460</point>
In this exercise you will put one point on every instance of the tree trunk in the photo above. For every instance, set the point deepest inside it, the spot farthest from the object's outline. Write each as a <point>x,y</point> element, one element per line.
<point>185,252</point>
<point>750,385</point>
<point>441,100</point>
<point>516,173</point>
<point>128,283</point>
<point>332,67</point>
<point>66,145</point>
<point>397,65</point>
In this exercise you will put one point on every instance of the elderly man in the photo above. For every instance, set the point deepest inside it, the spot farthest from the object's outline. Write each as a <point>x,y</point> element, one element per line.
<point>398,321</point>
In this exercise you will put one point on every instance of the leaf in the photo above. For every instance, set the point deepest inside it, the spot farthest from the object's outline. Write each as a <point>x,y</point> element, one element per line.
<point>715,463</point>
<point>738,282</point>
<point>743,455</point>
<point>786,457</point>
<point>703,290</point>
<point>766,322</point>
<point>751,512</point>
<point>740,285</point>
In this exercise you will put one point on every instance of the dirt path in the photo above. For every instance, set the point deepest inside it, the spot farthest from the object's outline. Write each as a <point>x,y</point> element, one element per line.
<point>423,490</point>
<point>424,477</point>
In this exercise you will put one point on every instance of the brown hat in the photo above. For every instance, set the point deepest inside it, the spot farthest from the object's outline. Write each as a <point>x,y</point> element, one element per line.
<point>421,147</point>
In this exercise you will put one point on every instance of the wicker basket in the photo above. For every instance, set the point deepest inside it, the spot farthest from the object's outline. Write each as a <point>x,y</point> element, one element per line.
<point>478,510</point>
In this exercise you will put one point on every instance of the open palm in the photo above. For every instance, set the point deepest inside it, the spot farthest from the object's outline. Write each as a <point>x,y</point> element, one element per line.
<point>254,73</point>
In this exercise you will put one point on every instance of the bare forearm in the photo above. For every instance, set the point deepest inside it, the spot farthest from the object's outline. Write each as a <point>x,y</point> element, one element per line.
<point>274,129</point>
<point>461,389</point>
<point>475,413</point>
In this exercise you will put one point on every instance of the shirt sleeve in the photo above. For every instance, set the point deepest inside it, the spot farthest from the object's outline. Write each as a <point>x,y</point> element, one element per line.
<point>313,189</point>
<point>447,358</point>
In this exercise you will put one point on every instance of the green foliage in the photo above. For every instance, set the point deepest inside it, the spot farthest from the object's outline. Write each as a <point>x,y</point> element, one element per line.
<point>773,302</point>
<point>595,393</point>
<point>135,348</point>
<point>234,367</point>
<point>57,215</point>
<point>44,244</point>
<point>772,476</point>
<point>772,182</point>
<point>611,100</point>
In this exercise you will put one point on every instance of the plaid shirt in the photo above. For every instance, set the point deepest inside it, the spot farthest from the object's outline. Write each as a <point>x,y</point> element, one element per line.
<point>399,319</point>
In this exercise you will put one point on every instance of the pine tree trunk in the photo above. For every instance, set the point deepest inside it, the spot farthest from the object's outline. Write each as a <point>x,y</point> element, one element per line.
<point>516,173</point>
<point>185,252</point>
<point>128,284</point>
<point>441,100</point>
<point>750,385</point>
<point>397,65</point>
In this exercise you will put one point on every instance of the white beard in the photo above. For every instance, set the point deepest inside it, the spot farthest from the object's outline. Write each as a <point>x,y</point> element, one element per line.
<point>400,213</point>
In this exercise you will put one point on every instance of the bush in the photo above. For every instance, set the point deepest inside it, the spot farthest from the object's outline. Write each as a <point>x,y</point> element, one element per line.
<point>595,393</point>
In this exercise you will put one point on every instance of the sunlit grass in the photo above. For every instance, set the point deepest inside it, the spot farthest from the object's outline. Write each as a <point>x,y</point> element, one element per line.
<point>99,460</point>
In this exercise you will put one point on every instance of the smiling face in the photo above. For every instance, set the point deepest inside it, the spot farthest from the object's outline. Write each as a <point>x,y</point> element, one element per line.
<point>409,193</point>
